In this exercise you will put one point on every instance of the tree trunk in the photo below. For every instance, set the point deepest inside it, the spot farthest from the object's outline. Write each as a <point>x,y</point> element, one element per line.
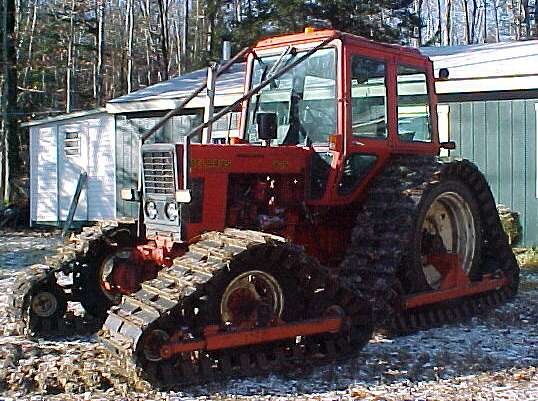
<point>439,24</point>
<point>535,33</point>
<point>163,14</point>
<point>485,22</point>
<point>448,22</point>
<point>466,16</point>
<point>474,21</point>
<point>129,28</point>
<point>526,17</point>
<point>178,46</point>
<point>100,67</point>
<point>185,38</point>
<point>418,10</point>
<point>238,10</point>
<point>146,10</point>
<point>9,95</point>
<point>69,69</point>
<point>30,44</point>
<point>496,19</point>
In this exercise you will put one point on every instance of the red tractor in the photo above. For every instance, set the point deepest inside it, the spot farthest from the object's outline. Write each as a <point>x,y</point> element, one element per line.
<point>330,215</point>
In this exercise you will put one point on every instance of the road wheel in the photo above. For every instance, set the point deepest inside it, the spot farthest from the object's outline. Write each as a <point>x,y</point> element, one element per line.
<point>448,222</point>
<point>258,290</point>
<point>47,306</point>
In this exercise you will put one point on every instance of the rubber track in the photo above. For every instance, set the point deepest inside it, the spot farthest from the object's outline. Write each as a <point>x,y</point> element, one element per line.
<point>178,288</point>
<point>374,266</point>
<point>64,260</point>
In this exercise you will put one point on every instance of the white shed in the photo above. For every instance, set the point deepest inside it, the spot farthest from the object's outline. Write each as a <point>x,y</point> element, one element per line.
<point>60,149</point>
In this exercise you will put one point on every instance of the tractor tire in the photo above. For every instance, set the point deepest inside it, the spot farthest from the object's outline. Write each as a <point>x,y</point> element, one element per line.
<point>448,219</point>
<point>256,280</point>
<point>46,307</point>
<point>36,303</point>
<point>93,268</point>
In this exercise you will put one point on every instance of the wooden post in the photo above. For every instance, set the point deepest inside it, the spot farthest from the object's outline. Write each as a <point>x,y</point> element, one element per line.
<point>82,180</point>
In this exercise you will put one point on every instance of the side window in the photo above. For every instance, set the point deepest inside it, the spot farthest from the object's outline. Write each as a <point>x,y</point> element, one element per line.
<point>413,105</point>
<point>368,98</point>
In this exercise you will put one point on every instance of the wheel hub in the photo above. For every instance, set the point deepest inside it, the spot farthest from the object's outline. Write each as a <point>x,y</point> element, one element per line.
<point>252,299</point>
<point>44,304</point>
<point>106,273</point>
<point>448,228</point>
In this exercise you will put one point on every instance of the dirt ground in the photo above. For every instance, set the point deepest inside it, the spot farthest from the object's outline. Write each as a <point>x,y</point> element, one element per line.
<point>492,357</point>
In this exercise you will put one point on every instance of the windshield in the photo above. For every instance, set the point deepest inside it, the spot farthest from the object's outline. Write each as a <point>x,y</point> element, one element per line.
<point>304,99</point>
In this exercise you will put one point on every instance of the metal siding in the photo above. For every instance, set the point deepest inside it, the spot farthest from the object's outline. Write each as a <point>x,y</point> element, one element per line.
<point>505,154</point>
<point>531,221</point>
<point>519,158</point>
<point>101,184</point>
<point>126,144</point>
<point>492,146</point>
<point>466,146</point>
<point>47,174</point>
<point>500,137</point>
<point>479,135</point>
<point>34,153</point>
<point>454,127</point>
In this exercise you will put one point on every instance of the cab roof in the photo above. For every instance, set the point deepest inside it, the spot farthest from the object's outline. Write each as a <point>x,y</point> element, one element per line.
<point>319,35</point>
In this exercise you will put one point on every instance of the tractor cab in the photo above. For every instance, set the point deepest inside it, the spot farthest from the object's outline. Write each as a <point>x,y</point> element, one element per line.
<point>352,101</point>
<point>321,114</point>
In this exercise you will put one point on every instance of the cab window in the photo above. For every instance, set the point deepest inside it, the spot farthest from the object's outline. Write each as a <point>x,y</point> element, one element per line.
<point>414,124</point>
<point>368,98</point>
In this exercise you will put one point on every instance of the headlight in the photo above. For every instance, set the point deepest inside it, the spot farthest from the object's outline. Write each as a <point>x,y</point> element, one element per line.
<point>151,209</point>
<point>171,211</point>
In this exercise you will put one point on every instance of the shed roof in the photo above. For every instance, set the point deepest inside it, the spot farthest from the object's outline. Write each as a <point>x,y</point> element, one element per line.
<point>167,95</point>
<point>487,67</point>
<point>64,117</point>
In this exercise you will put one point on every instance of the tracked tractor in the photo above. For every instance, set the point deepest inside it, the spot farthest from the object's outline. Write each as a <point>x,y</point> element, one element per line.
<point>331,214</point>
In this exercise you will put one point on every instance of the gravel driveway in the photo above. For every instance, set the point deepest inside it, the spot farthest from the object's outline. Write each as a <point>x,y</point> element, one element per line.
<point>492,357</point>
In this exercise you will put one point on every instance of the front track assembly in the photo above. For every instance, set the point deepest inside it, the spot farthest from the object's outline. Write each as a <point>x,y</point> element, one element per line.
<point>37,304</point>
<point>180,310</point>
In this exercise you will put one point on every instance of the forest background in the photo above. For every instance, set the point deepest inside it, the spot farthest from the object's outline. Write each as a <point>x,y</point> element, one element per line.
<point>59,56</point>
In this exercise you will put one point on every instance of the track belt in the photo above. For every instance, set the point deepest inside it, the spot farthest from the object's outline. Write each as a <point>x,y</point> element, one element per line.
<point>182,287</point>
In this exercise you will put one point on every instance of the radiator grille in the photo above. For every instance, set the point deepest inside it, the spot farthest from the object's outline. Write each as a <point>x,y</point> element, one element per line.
<point>159,172</point>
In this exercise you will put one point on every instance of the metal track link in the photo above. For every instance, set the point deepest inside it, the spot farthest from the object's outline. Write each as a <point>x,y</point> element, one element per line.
<point>171,298</point>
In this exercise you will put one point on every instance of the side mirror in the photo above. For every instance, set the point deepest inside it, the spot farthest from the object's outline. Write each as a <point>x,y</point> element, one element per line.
<point>450,145</point>
<point>267,126</point>
<point>443,74</point>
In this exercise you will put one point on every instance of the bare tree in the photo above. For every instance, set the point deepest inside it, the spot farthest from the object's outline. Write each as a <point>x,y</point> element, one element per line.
<point>100,65</point>
<point>9,95</point>
<point>129,28</point>
<point>70,60</point>
<point>185,36</point>
<point>163,14</point>
<point>496,19</point>
<point>448,23</point>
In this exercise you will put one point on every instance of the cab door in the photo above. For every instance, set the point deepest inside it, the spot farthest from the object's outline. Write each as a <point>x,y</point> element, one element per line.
<point>416,117</point>
<point>370,124</point>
